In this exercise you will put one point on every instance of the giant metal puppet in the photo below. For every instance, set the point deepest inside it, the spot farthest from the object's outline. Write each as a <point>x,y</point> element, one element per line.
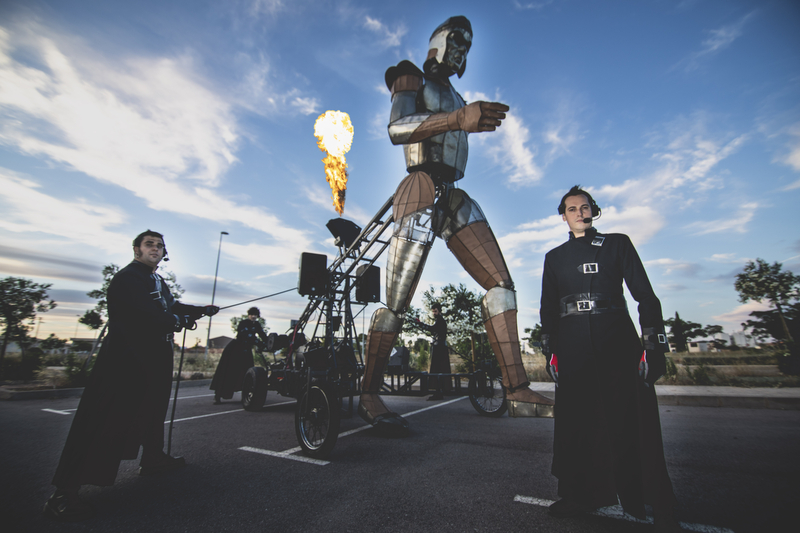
<point>431,120</point>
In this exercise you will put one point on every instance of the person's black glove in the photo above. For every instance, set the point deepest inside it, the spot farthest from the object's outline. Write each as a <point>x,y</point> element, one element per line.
<point>652,366</point>
<point>552,368</point>
<point>185,321</point>
<point>210,310</point>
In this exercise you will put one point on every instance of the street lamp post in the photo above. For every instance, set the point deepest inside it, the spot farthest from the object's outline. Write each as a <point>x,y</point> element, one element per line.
<point>214,290</point>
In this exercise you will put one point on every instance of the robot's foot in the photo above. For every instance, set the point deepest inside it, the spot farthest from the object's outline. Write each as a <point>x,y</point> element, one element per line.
<point>387,424</point>
<point>526,403</point>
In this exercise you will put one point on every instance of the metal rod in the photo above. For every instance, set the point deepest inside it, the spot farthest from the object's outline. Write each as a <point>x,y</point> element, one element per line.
<point>214,290</point>
<point>261,298</point>
<point>175,400</point>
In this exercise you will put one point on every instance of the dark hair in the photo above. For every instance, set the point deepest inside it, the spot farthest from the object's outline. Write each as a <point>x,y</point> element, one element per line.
<point>137,242</point>
<point>139,238</point>
<point>577,191</point>
<point>254,311</point>
<point>436,305</point>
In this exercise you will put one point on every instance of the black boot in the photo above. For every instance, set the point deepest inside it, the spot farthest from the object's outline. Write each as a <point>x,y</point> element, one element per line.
<point>66,506</point>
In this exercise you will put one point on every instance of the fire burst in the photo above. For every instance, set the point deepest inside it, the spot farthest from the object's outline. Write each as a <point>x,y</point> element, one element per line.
<point>335,133</point>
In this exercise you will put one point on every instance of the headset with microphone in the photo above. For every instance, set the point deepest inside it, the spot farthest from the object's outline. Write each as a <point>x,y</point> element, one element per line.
<point>577,191</point>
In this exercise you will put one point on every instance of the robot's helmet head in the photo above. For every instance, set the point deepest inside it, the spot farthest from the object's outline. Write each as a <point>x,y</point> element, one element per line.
<point>449,45</point>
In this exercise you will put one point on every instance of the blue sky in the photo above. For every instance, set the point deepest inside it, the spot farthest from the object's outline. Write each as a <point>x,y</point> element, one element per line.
<point>192,118</point>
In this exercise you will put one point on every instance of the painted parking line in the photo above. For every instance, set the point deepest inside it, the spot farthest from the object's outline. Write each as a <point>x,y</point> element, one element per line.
<point>64,412</point>
<point>289,454</point>
<point>616,512</point>
<point>286,455</point>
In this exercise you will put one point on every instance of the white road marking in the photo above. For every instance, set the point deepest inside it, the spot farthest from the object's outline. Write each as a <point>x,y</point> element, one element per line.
<point>65,412</point>
<point>205,416</point>
<point>616,512</point>
<point>286,455</point>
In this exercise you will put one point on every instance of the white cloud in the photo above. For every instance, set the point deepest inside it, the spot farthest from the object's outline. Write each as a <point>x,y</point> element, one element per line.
<point>718,39</point>
<point>27,208</point>
<point>672,265</point>
<point>734,318</point>
<point>388,37</point>
<point>148,125</point>
<point>792,158</point>
<point>532,5</point>
<point>736,222</point>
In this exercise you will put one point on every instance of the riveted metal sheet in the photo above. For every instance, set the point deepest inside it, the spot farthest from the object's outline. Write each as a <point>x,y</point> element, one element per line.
<point>403,270</point>
<point>497,301</point>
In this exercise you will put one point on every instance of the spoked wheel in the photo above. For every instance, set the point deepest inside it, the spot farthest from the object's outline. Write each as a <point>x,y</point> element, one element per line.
<point>316,420</point>
<point>487,395</point>
<point>254,389</point>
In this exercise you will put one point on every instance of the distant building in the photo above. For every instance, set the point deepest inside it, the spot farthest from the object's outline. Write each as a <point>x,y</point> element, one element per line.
<point>219,343</point>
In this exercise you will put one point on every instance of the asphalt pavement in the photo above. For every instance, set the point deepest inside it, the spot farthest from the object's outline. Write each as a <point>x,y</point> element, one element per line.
<point>734,468</point>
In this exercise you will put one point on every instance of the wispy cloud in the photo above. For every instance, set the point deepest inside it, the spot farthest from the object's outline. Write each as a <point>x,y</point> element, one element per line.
<point>734,318</point>
<point>717,40</point>
<point>388,38</point>
<point>510,146</point>
<point>146,124</point>
<point>673,265</point>
<point>736,222</point>
<point>536,6</point>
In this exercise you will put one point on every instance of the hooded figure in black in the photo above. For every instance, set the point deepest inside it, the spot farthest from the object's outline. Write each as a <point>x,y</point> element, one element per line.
<point>440,355</point>
<point>607,442</point>
<point>125,401</point>
<point>237,357</point>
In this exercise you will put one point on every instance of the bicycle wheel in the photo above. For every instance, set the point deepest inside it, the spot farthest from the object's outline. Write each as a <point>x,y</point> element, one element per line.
<point>316,420</point>
<point>254,389</point>
<point>487,395</point>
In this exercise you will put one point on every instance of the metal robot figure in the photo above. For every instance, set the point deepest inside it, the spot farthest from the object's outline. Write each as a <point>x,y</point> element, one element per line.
<point>431,120</point>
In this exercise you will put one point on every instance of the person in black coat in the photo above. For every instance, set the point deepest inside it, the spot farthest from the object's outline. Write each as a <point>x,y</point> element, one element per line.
<point>237,357</point>
<point>440,355</point>
<point>125,400</point>
<point>607,444</point>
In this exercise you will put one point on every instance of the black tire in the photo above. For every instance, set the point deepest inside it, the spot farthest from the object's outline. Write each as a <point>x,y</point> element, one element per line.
<point>316,421</point>
<point>254,389</point>
<point>487,395</point>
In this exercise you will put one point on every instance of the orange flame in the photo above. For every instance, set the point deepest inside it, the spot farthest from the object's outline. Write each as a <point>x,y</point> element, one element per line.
<point>335,133</point>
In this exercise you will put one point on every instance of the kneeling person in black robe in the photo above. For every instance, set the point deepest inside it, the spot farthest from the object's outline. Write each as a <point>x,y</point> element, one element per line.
<point>607,442</point>
<point>125,401</point>
<point>237,357</point>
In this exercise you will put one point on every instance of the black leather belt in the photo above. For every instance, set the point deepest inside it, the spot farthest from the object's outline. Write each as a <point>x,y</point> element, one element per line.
<point>591,303</point>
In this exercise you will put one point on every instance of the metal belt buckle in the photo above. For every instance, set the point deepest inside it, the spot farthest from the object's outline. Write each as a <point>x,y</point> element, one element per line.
<point>662,339</point>
<point>584,305</point>
<point>590,268</point>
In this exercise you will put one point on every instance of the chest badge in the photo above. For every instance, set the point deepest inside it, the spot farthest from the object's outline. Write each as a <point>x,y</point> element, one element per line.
<point>589,268</point>
<point>598,241</point>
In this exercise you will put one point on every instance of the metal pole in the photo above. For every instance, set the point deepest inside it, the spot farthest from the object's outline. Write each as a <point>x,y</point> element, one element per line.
<point>214,291</point>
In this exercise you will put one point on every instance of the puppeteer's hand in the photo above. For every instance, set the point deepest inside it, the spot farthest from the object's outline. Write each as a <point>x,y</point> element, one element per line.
<point>210,310</point>
<point>652,366</point>
<point>552,368</point>
<point>477,117</point>
<point>186,322</point>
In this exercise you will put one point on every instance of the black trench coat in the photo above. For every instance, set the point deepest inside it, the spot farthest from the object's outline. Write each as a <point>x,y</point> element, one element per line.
<point>125,401</point>
<point>440,355</point>
<point>236,359</point>
<point>607,430</point>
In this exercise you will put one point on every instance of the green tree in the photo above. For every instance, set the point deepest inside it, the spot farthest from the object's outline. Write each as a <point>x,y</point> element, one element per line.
<point>52,343</point>
<point>761,281</point>
<point>682,331</point>
<point>534,338</point>
<point>712,330</point>
<point>92,319</point>
<point>461,309</point>
<point>20,300</point>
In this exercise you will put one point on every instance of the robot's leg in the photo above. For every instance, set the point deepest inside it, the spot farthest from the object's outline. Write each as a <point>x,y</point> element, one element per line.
<point>472,241</point>
<point>408,250</point>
